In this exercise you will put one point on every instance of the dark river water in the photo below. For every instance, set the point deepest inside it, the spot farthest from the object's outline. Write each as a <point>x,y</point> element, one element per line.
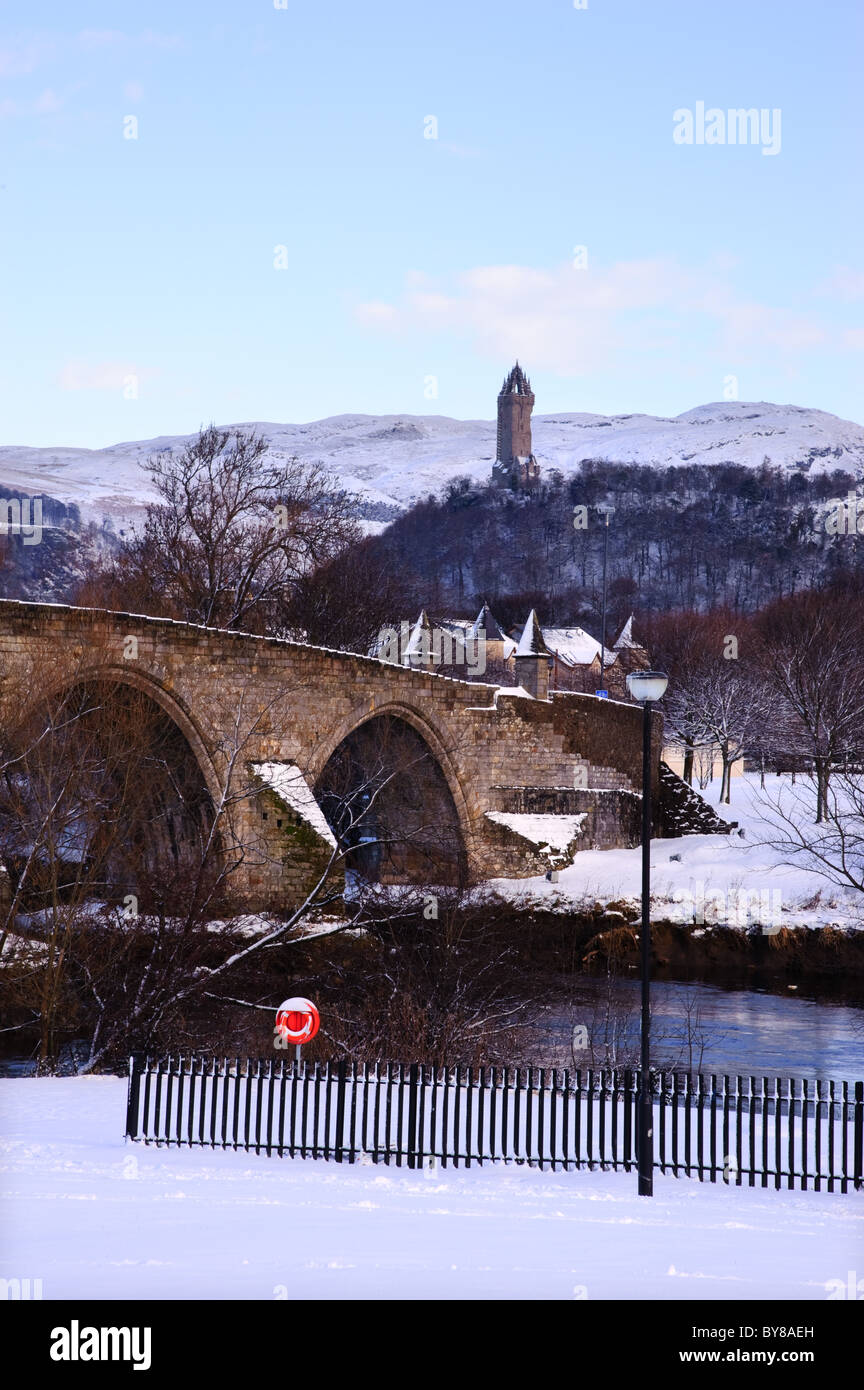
<point>695,1027</point>
<point>702,1027</point>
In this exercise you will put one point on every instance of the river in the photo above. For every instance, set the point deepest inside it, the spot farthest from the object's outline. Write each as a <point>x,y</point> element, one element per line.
<point>703,1027</point>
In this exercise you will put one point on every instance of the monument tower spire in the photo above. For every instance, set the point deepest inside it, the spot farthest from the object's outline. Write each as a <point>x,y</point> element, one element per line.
<point>515,465</point>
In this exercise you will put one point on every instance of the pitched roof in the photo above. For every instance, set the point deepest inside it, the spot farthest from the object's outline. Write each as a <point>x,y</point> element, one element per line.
<point>573,646</point>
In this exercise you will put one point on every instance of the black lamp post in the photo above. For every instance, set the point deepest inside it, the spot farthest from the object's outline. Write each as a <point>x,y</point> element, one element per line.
<point>647,687</point>
<point>606,512</point>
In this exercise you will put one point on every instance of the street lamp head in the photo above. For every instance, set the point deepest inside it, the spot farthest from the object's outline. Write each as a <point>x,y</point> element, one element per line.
<point>647,685</point>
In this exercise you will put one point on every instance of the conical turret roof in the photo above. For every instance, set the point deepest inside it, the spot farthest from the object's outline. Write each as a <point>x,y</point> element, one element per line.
<point>485,622</point>
<point>626,638</point>
<point>416,645</point>
<point>531,642</point>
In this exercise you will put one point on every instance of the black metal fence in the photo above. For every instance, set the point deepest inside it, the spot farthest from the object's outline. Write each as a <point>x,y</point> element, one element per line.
<point>757,1130</point>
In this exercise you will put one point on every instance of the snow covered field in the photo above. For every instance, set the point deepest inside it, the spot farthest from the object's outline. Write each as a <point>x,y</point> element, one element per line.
<point>393,459</point>
<point>93,1217</point>
<point>722,878</point>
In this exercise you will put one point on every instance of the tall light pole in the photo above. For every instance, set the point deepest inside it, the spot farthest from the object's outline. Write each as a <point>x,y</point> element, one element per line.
<point>606,512</point>
<point>647,687</point>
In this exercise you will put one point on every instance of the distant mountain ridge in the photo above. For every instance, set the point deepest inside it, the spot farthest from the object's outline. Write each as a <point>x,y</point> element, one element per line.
<point>390,460</point>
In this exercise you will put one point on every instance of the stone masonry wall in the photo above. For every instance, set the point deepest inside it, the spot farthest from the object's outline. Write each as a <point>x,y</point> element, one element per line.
<point>613,817</point>
<point>292,702</point>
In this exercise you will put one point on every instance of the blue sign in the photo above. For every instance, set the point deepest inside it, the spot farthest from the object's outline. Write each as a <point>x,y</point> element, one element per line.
<point>604,694</point>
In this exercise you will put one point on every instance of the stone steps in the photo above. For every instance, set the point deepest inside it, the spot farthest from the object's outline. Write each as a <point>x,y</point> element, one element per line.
<point>604,778</point>
<point>684,812</point>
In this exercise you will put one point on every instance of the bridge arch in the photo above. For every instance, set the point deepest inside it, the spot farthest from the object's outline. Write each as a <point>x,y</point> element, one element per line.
<point>394,730</point>
<point>130,782</point>
<point>422,724</point>
<point>171,704</point>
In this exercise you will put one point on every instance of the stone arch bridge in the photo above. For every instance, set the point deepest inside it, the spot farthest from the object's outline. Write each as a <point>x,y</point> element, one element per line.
<point>527,781</point>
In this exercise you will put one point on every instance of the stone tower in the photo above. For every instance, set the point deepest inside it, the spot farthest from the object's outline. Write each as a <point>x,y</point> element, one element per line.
<point>515,465</point>
<point>533,659</point>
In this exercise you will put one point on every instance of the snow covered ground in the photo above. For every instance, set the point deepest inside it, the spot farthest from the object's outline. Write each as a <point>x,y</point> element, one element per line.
<point>393,459</point>
<point>94,1218</point>
<point>719,878</point>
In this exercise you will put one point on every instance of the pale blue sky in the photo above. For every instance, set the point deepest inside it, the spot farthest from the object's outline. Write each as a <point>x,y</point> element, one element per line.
<point>413,258</point>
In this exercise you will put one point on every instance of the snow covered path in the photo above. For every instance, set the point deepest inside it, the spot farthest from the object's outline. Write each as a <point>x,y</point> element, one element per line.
<point>93,1217</point>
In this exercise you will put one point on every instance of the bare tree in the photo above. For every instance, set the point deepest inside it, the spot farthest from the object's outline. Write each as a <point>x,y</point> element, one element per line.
<point>234,531</point>
<point>731,706</point>
<point>810,651</point>
<point>443,987</point>
<point>680,643</point>
<point>98,805</point>
<point>122,866</point>
<point>345,602</point>
<point>172,962</point>
<point>716,697</point>
<point>832,847</point>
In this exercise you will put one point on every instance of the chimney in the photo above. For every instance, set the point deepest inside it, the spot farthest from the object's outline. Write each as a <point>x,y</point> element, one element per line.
<point>533,659</point>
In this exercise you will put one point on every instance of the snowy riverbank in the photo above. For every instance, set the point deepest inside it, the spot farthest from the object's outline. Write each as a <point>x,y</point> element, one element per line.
<point>738,880</point>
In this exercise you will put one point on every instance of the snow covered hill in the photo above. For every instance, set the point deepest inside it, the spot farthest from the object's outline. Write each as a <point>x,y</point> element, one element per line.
<point>390,460</point>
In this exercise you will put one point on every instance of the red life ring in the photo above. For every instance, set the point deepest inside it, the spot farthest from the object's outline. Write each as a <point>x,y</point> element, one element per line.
<point>297,1020</point>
